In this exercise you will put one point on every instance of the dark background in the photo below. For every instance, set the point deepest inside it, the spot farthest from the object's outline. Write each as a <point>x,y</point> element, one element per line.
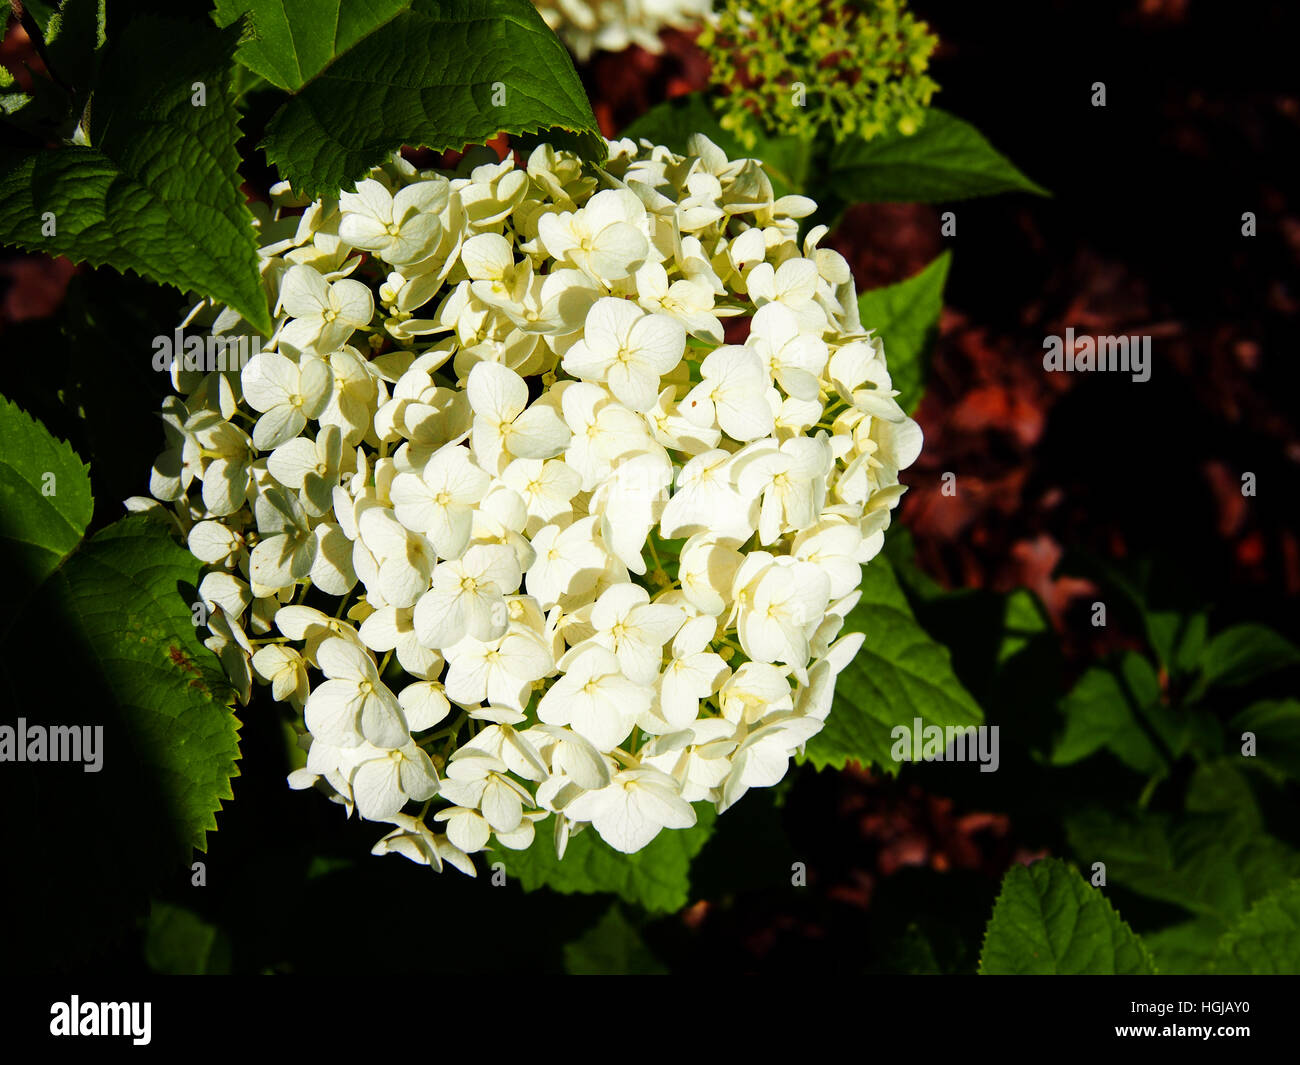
<point>1142,235</point>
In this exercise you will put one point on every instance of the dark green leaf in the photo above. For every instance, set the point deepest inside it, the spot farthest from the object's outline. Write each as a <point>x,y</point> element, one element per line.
<point>1049,921</point>
<point>1025,620</point>
<point>1103,711</point>
<point>294,40</point>
<point>40,11</point>
<point>900,675</point>
<point>1244,653</point>
<point>1212,865</point>
<point>1276,725</point>
<point>45,502</point>
<point>427,77</point>
<point>1184,948</point>
<point>656,877</point>
<point>612,947</point>
<point>178,942</point>
<point>946,159</point>
<point>1265,941</point>
<point>108,643</point>
<point>157,190</point>
<point>906,315</point>
<point>73,40</point>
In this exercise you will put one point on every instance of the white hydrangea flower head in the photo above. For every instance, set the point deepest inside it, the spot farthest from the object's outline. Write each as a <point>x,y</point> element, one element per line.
<point>587,26</point>
<point>509,524</point>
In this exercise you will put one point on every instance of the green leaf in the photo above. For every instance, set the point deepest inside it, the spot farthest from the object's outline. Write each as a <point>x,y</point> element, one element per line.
<point>41,11</point>
<point>45,502</point>
<point>1265,941</point>
<point>1049,921</point>
<point>1244,653</point>
<point>294,40</point>
<point>1188,641</point>
<point>1220,787</point>
<point>157,190</point>
<point>427,77</point>
<point>906,315</point>
<point>73,40</point>
<point>786,159</point>
<point>1024,621</point>
<point>1103,710</point>
<point>1276,725</point>
<point>1186,948</point>
<point>899,675</point>
<point>120,597</point>
<point>612,947</point>
<point>656,877</point>
<point>105,647</point>
<point>178,942</point>
<point>946,159</point>
<point>1212,865</point>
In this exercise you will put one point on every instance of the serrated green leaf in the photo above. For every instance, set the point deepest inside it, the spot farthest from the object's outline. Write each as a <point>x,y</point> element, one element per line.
<point>106,649</point>
<point>292,41</point>
<point>428,77</point>
<point>946,159</point>
<point>1049,921</point>
<point>1265,941</point>
<point>41,11</point>
<point>45,502</point>
<point>786,159</point>
<point>657,877</point>
<point>1243,653</point>
<point>899,675</point>
<point>157,189</point>
<point>1212,865</point>
<point>73,40</point>
<point>1185,948</point>
<point>121,599</point>
<point>906,316</point>
<point>611,947</point>
<point>1102,711</point>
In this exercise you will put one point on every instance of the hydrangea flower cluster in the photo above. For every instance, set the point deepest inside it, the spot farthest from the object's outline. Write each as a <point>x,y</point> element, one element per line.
<point>504,517</point>
<point>861,63</point>
<point>587,26</point>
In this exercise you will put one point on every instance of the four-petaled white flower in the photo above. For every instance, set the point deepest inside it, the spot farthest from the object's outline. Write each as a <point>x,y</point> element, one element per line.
<point>732,394</point>
<point>468,597</point>
<point>604,239</point>
<point>439,501</point>
<point>595,698</point>
<point>505,426</point>
<point>400,228</point>
<point>286,393</point>
<point>323,314</point>
<point>353,706</point>
<point>636,806</point>
<point>627,349</point>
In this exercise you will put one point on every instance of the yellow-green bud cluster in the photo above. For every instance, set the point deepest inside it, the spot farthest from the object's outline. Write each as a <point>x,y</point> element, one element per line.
<point>857,67</point>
